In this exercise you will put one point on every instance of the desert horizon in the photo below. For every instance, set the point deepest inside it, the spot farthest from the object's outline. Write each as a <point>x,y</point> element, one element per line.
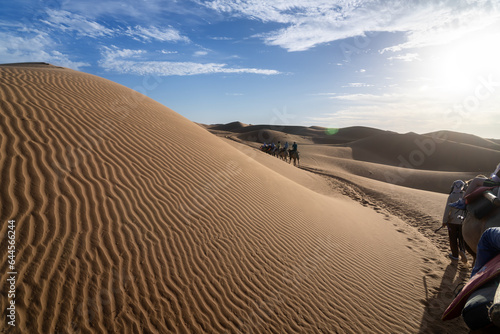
<point>129,217</point>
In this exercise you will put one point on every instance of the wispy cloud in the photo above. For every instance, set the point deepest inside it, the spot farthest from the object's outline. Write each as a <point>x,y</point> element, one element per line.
<point>200,53</point>
<point>84,27</point>
<point>66,21</point>
<point>368,98</point>
<point>357,85</point>
<point>168,34</point>
<point>406,57</point>
<point>313,22</point>
<point>168,52</point>
<point>33,47</point>
<point>221,38</point>
<point>438,23</point>
<point>136,62</point>
<point>151,12</point>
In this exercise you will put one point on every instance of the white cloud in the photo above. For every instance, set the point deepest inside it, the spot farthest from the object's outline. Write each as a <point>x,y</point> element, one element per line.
<point>309,23</point>
<point>154,33</point>
<point>442,23</point>
<point>113,53</point>
<point>66,21</point>
<point>35,47</point>
<point>167,52</point>
<point>200,53</point>
<point>131,62</point>
<point>406,57</point>
<point>357,85</point>
<point>83,26</point>
<point>221,38</point>
<point>368,98</point>
<point>150,11</point>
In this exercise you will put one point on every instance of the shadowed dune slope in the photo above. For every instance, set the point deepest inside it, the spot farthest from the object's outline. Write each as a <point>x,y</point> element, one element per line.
<point>233,126</point>
<point>269,136</point>
<point>428,162</point>
<point>415,151</point>
<point>130,218</point>
<point>347,135</point>
<point>437,151</point>
<point>466,139</point>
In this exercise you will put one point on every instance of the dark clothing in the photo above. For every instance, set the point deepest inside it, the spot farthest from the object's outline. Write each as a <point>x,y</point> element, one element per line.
<point>453,218</point>
<point>490,183</point>
<point>487,248</point>
<point>456,239</point>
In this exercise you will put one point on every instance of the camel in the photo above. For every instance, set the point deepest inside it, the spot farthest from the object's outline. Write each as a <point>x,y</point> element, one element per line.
<point>473,227</point>
<point>482,214</point>
<point>283,154</point>
<point>295,156</point>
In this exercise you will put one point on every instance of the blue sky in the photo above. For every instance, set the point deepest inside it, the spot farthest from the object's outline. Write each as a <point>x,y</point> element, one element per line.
<point>405,66</point>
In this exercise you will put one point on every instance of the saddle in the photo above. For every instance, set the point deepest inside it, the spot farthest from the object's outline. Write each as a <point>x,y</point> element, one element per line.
<point>487,206</point>
<point>476,194</point>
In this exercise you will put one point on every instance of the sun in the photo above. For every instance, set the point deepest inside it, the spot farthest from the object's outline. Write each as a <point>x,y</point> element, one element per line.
<point>459,67</point>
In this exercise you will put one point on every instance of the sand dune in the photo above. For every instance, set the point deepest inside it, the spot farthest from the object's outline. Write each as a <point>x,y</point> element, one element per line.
<point>131,218</point>
<point>302,134</point>
<point>425,152</point>
<point>468,139</point>
<point>429,162</point>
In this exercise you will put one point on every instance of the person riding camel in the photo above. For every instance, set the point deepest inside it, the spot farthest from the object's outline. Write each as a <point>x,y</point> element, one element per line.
<point>294,147</point>
<point>286,146</point>
<point>277,148</point>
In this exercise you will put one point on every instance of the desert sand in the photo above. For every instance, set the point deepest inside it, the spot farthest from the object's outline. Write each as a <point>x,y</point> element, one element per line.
<point>130,218</point>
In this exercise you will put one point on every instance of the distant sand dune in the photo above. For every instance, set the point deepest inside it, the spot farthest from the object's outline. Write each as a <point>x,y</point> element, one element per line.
<point>424,152</point>
<point>130,218</point>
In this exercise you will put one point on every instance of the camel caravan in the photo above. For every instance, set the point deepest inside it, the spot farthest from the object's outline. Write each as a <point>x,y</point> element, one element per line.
<point>479,300</point>
<point>282,152</point>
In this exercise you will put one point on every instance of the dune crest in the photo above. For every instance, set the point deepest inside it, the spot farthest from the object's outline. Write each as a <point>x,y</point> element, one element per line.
<point>131,218</point>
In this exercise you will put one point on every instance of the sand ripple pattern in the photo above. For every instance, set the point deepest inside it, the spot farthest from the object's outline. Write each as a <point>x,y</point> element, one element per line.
<point>131,219</point>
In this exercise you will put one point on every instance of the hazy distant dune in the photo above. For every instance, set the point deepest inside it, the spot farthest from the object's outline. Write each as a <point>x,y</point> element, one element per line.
<point>348,134</point>
<point>467,139</point>
<point>424,152</point>
<point>270,136</point>
<point>439,151</point>
<point>233,126</point>
<point>301,134</point>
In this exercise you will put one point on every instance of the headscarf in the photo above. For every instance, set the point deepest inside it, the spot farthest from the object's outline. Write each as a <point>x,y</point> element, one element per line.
<point>495,176</point>
<point>457,187</point>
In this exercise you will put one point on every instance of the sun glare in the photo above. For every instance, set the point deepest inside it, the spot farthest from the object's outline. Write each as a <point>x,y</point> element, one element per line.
<point>458,69</point>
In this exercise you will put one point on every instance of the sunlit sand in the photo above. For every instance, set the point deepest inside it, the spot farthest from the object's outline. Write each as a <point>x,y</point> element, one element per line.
<point>131,218</point>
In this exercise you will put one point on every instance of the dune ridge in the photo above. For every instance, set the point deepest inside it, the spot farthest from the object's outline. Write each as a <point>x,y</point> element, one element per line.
<point>130,218</point>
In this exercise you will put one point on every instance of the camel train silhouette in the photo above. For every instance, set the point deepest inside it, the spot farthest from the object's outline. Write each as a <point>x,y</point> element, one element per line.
<point>282,153</point>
